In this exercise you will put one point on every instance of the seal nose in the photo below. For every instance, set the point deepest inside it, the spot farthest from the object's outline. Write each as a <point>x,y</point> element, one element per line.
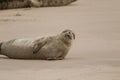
<point>68,36</point>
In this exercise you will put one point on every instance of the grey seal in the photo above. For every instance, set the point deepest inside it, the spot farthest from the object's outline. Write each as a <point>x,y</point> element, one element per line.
<point>12,4</point>
<point>46,48</point>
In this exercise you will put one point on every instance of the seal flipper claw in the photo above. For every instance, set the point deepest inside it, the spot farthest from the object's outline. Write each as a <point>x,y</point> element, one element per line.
<point>37,47</point>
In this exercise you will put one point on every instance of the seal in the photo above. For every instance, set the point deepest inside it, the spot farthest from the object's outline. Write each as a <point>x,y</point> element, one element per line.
<point>12,4</point>
<point>46,48</point>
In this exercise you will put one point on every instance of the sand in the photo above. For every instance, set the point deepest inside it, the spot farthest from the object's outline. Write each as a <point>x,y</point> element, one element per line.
<point>95,54</point>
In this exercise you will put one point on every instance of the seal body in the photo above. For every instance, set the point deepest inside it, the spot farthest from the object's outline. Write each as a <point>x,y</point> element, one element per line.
<point>47,48</point>
<point>11,4</point>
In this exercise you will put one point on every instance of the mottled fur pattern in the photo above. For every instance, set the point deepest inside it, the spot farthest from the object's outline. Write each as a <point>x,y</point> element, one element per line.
<point>11,4</point>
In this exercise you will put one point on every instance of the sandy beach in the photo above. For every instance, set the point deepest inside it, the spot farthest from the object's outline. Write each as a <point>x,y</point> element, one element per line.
<point>94,55</point>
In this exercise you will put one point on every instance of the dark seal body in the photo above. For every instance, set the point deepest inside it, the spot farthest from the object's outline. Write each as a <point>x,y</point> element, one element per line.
<point>47,48</point>
<point>12,4</point>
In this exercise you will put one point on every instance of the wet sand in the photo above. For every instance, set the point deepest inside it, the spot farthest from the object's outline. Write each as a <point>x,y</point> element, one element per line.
<point>95,54</point>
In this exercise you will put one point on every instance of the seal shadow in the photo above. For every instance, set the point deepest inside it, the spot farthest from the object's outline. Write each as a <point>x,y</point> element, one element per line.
<point>5,57</point>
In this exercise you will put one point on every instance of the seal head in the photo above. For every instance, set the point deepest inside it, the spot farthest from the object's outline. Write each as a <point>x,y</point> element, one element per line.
<point>67,36</point>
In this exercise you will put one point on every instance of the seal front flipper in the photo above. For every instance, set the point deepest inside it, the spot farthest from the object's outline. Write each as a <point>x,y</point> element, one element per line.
<point>37,46</point>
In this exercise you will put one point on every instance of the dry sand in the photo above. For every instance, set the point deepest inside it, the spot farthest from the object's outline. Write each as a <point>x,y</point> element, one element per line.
<point>95,55</point>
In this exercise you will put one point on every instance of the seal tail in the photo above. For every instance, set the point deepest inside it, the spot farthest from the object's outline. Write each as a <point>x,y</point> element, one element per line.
<point>0,48</point>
